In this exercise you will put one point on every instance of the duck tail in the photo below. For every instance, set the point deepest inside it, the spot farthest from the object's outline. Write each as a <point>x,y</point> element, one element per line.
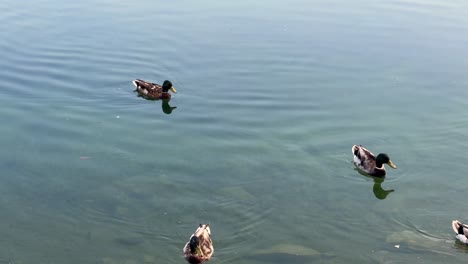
<point>455,226</point>
<point>458,227</point>
<point>355,150</point>
<point>135,82</point>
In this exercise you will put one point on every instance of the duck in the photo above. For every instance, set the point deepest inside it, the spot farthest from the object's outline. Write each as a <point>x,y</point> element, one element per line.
<point>367,162</point>
<point>461,230</point>
<point>199,248</point>
<point>154,91</point>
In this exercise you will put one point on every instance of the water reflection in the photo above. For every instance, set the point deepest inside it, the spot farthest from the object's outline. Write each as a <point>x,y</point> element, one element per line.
<point>379,192</point>
<point>166,108</point>
<point>461,247</point>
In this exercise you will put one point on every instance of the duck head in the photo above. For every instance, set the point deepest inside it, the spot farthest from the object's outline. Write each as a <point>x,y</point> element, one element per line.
<point>383,158</point>
<point>167,85</point>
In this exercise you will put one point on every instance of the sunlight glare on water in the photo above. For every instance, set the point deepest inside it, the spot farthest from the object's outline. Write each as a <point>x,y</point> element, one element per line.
<point>271,97</point>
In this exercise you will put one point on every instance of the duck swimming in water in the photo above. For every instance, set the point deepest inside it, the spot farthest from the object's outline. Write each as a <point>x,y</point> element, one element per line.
<point>200,247</point>
<point>154,91</point>
<point>461,230</point>
<point>367,162</point>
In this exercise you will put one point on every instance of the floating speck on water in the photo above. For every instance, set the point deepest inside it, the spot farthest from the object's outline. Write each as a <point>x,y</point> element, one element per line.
<point>117,116</point>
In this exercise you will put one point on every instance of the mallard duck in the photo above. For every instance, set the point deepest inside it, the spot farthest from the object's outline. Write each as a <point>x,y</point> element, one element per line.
<point>461,230</point>
<point>367,162</point>
<point>154,91</point>
<point>200,247</point>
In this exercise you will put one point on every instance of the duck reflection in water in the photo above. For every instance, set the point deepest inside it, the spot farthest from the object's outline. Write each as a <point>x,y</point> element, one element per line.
<point>166,108</point>
<point>379,192</point>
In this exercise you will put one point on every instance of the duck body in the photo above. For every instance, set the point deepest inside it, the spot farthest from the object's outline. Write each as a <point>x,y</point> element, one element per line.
<point>200,247</point>
<point>366,161</point>
<point>461,230</point>
<point>153,91</point>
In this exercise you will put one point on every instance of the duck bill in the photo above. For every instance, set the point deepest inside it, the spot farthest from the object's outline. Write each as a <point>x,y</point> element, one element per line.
<point>390,163</point>
<point>173,89</point>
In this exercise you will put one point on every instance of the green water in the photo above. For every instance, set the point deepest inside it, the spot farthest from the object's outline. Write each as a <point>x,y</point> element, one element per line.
<point>271,97</point>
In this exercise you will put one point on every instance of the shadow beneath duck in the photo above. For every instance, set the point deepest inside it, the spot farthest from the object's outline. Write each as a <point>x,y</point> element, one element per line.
<point>379,192</point>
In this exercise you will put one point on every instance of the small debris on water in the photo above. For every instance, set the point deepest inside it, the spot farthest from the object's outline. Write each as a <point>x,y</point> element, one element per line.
<point>117,116</point>
<point>397,246</point>
<point>85,157</point>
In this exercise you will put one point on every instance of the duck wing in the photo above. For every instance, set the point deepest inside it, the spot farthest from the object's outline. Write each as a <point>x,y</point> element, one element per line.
<point>206,246</point>
<point>363,158</point>
<point>459,227</point>
<point>142,84</point>
<point>147,89</point>
<point>204,235</point>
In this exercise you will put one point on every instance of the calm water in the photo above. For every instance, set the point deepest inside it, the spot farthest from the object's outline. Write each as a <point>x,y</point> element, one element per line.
<point>272,95</point>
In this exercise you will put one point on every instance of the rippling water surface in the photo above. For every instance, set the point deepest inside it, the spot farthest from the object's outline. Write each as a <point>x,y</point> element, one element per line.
<point>272,95</point>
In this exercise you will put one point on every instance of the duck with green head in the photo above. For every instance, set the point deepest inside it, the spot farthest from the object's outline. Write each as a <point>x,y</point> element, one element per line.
<point>200,247</point>
<point>367,162</point>
<point>154,91</point>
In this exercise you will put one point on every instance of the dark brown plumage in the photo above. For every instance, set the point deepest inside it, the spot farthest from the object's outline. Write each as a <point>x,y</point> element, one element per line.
<point>154,91</point>
<point>200,247</point>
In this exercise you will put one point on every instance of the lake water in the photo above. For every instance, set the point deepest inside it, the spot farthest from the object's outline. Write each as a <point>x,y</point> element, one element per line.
<point>271,97</point>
